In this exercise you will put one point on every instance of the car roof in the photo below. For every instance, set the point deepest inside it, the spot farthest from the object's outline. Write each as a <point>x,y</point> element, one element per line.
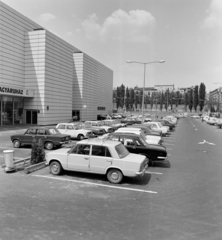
<point>125,133</point>
<point>96,141</point>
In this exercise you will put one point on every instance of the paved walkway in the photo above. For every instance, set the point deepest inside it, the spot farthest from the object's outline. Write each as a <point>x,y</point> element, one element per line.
<point>15,127</point>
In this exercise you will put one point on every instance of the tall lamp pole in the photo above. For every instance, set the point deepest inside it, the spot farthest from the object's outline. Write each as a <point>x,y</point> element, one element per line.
<point>144,64</point>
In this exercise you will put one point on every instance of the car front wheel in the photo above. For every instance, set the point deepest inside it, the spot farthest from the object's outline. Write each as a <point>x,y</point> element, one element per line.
<point>16,143</point>
<point>49,145</point>
<point>114,176</point>
<point>55,168</point>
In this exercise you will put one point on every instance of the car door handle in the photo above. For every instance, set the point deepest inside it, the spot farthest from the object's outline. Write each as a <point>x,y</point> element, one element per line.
<point>86,158</point>
<point>109,160</point>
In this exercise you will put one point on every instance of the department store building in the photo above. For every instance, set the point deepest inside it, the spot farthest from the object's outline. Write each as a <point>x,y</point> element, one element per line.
<point>45,80</point>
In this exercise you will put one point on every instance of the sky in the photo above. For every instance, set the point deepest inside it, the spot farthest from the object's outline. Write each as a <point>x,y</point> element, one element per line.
<point>187,34</point>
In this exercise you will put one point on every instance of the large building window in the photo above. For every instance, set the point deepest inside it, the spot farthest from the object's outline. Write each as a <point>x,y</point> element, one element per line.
<point>18,110</point>
<point>101,108</point>
<point>7,110</point>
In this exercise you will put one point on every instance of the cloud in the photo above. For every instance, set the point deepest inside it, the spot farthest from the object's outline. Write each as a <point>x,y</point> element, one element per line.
<point>135,26</point>
<point>215,17</point>
<point>47,17</point>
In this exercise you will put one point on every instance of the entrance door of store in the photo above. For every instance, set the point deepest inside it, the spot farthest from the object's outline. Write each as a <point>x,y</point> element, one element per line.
<point>31,116</point>
<point>75,115</point>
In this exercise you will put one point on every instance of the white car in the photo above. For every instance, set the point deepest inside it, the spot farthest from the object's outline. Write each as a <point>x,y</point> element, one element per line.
<point>172,119</point>
<point>100,124</point>
<point>74,131</point>
<point>195,116</point>
<point>212,121</point>
<point>114,123</point>
<point>158,126</point>
<point>150,139</point>
<point>110,158</point>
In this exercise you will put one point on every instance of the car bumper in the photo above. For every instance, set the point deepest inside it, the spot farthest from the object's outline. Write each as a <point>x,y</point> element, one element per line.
<point>140,174</point>
<point>65,142</point>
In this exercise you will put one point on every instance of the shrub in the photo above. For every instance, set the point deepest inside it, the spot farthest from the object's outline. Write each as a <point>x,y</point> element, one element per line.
<point>38,152</point>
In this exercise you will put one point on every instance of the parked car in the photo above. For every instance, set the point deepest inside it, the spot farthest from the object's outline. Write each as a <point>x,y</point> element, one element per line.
<point>166,123</point>
<point>219,122</point>
<point>158,126</point>
<point>97,131</point>
<point>100,125</point>
<point>148,127</point>
<point>171,119</point>
<point>148,138</point>
<point>136,144</point>
<point>131,121</point>
<point>211,121</point>
<point>98,156</point>
<point>74,131</point>
<point>114,123</point>
<point>50,136</point>
<point>195,116</point>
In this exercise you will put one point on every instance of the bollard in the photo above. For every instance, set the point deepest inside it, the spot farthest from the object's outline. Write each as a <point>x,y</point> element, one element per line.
<point>9,163</point>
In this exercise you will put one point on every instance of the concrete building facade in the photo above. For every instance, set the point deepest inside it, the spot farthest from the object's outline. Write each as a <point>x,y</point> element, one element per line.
<point>45,80</point>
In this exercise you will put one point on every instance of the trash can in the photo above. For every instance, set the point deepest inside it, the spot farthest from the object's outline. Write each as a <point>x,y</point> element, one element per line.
<point>9,163</point>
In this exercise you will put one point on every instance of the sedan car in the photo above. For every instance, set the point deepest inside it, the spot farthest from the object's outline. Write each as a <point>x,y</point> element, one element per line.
<point>150,139</point>
<point>157,127</point>
<point>109,158</point>
<point>50,136</point>
<point>74,131</point>
<point>137,144</point>
<point>99,124</point>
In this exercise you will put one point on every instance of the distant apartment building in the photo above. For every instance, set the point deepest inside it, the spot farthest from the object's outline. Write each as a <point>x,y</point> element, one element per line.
<point>147,90</point>
<point>164,88</point>
<point>215,99</point>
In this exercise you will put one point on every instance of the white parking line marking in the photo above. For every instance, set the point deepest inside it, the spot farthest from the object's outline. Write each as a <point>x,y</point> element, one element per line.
<point>204,141</point>
<point>96,184</point>
<point>154,172</point>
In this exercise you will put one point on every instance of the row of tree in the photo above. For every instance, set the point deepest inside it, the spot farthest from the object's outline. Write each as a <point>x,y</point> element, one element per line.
<point>131,98</point>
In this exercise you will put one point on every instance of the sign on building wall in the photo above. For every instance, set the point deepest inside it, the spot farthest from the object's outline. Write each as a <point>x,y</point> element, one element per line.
<point>14,91</point>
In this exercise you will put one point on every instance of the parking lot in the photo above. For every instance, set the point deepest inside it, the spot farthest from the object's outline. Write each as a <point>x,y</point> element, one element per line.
<point>179,199</point>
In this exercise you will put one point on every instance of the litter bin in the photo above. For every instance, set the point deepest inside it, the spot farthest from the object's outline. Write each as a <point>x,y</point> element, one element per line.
<point>9,163</point>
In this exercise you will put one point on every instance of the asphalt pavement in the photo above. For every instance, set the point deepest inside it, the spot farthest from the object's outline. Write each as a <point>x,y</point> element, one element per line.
<point>179,200</point>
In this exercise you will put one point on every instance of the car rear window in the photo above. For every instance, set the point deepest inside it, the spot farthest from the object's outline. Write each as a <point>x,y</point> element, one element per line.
<point>121,151</point>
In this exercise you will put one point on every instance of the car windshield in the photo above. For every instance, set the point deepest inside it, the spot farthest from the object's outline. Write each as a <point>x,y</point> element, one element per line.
<point>143,139</point>
<point>53,131</point>
<point>159,124</point>
<point>121,151</point>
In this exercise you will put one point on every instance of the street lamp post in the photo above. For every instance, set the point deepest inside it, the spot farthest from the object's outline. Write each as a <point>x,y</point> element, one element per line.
<point>144,64</point>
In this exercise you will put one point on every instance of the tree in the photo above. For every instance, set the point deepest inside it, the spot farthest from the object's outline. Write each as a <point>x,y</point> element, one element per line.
<point>195,98</point>
<point>122,96</point>
<point>37,153</point>
<point>161,101</point>
<point>152,100</point>
<point>136,99</point>
<point>202,96</point>
<point>127,102</point>
<point>118,96</point>
<point>190,95</point>
<point>186,100</point>
<point>140,98</point>
<point>131,91</point>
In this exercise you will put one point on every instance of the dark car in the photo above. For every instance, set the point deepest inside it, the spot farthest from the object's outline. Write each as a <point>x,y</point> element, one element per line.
<point>136,144</point>
<point>131,121</point>
<point>50,136</point>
